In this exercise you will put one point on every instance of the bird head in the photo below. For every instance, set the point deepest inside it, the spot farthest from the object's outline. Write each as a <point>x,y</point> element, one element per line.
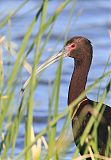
<point>78,47</point>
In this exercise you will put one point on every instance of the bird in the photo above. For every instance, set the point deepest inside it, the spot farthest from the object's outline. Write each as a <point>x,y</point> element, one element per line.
<point>80,49</point>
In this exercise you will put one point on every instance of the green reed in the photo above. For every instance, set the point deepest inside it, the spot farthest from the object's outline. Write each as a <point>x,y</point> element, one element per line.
<point>10,121</point>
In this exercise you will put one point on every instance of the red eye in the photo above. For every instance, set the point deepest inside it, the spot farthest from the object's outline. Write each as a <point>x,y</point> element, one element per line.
<point>70,47</point>
<point>73,45</point>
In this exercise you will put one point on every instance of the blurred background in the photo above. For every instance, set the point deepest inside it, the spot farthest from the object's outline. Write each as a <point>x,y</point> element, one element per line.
<point>91,19</point>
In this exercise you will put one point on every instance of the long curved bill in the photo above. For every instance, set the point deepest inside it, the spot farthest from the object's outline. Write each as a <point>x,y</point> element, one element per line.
<point>47,63</point>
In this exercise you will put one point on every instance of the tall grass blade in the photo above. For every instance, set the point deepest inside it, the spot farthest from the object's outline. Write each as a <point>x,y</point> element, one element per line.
<point>7,18</point>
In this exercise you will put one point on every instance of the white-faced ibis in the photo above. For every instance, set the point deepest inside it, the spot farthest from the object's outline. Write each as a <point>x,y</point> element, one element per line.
<point>80,49</point>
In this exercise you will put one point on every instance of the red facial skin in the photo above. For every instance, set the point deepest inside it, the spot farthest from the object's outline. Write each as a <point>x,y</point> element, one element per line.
<point>70,47</point>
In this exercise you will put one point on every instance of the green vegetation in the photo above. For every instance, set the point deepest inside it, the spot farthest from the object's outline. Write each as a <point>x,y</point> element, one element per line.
<point>11,115</point>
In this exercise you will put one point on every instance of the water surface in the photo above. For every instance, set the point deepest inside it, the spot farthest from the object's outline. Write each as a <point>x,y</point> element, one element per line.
<point>93,22</point>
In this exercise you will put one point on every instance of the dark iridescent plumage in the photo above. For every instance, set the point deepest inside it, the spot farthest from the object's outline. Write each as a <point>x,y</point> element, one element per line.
<point>81,50</point>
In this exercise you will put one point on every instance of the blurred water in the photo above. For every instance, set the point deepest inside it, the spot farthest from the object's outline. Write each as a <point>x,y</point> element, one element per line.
<point>94,22</point>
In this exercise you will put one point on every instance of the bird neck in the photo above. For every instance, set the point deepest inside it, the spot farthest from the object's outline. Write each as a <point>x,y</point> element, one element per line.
<point>79,78</point>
